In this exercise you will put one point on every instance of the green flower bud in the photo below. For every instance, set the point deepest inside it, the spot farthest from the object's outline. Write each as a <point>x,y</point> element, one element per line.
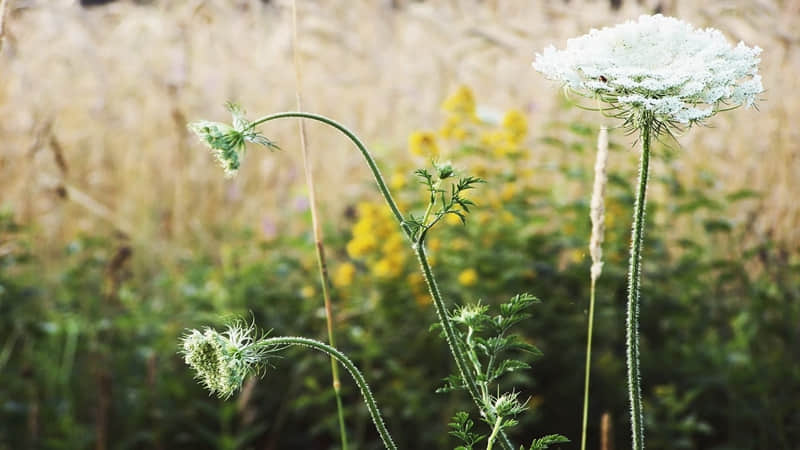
<point>222,361</point>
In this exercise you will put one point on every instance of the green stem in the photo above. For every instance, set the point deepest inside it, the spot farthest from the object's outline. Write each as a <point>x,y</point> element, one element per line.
<point>634,275</point>
<point>419,249</point>
<point>450,337</point>
<point>493,436</point>
<point>372,406</point>
<point>588,365</point>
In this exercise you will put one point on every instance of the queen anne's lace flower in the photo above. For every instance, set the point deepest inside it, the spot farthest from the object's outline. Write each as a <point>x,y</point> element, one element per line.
<point>227,142</point>
<point>657,66</point>
<point>223,360</point>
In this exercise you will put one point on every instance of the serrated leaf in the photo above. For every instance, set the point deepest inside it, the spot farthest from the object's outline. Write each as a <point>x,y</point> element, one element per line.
<point>545,442</point>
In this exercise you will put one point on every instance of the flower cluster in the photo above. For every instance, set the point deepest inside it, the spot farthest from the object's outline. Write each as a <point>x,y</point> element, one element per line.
<point>227,142</point>
<point>377,239</point>
<point>222,361</point>
<point>480,141</point>
<point>657,67</point>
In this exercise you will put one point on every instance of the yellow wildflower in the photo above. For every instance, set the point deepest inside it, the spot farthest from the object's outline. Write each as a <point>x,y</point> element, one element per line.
<point>398,181</point>
<point>386,268</point>
<point>361,245</point>
<point>423,143</point>
<point>435,244</point>
<point>307,291</point>
<point>461,102</point>
<point>394,246</point>
<point>468,277</point>
<point>515,123</point>
<point>508,192</point>
<point>344,276</point>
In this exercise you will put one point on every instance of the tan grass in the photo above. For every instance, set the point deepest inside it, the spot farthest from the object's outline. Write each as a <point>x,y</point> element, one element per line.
<point>117,84</point>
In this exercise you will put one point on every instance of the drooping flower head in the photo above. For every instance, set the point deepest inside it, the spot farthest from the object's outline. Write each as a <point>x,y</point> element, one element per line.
<point>657,68</point>
<point>227,142</point>
<point>222,361</point>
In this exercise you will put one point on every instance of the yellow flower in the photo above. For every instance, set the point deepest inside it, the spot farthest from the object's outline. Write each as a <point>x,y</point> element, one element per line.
<point>394,245</point>
<point>515,123</point>
<point>307,291</point>
<point>423,143</point>
<point>398,181</point>
<point>386,268</point>
<point>461,102</point>
<point>508,192</point>
<point>361,245</point>
<point>344,275</point>
<point>468,277</point>
<point>435,244</point>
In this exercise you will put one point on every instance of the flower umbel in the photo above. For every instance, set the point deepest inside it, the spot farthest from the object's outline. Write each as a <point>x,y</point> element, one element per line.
<point>227,142</point>
<point>659,67</point>
<point>222,361</point>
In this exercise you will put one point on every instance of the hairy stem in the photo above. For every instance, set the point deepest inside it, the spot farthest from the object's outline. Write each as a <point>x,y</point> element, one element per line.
<point>372,406</point>
<point>450,337</point>
<point>634,275</point>
<point>441,310</point>
<point>493,436</point>
<point>317,232</point>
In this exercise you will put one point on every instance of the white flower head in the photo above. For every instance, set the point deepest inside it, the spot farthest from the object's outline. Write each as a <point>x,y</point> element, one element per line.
<point>657,67</point>
<point>222,361</point>
<point>227,142</point>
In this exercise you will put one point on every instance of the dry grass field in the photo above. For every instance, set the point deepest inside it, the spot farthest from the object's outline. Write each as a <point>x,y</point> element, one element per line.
<point>94,101</point>
<point>118,230</point>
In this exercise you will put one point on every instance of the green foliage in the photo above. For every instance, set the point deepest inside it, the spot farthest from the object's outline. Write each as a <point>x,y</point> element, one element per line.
<point>544,443</point>
<point>462,429</point>
<point>719,322</point>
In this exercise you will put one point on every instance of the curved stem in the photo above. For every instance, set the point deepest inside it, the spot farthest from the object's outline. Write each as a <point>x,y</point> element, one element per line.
<point>634,275</point>
<point>419,248</point>
<point>361,147</point>
<point>372,406</point>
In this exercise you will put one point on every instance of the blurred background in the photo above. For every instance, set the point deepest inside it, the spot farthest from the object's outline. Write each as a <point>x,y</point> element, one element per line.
<point>118,230</point>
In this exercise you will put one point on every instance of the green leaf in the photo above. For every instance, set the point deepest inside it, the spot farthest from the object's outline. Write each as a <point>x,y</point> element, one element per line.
<point>545,442</point>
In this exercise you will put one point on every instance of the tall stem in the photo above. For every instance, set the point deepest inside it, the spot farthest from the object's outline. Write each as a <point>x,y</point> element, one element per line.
<point>441,310</point>
<point>634,275</point>
<point>317,231</point>
<point>597,216</point>
<point>452,342</point>
<point>358,377</point>
<point>588,365</point>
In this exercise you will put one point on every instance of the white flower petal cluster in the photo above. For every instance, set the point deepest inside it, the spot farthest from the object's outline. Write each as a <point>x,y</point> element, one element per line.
<point>227,142</point>
<point>659,66</point>
<point>222,361</point>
